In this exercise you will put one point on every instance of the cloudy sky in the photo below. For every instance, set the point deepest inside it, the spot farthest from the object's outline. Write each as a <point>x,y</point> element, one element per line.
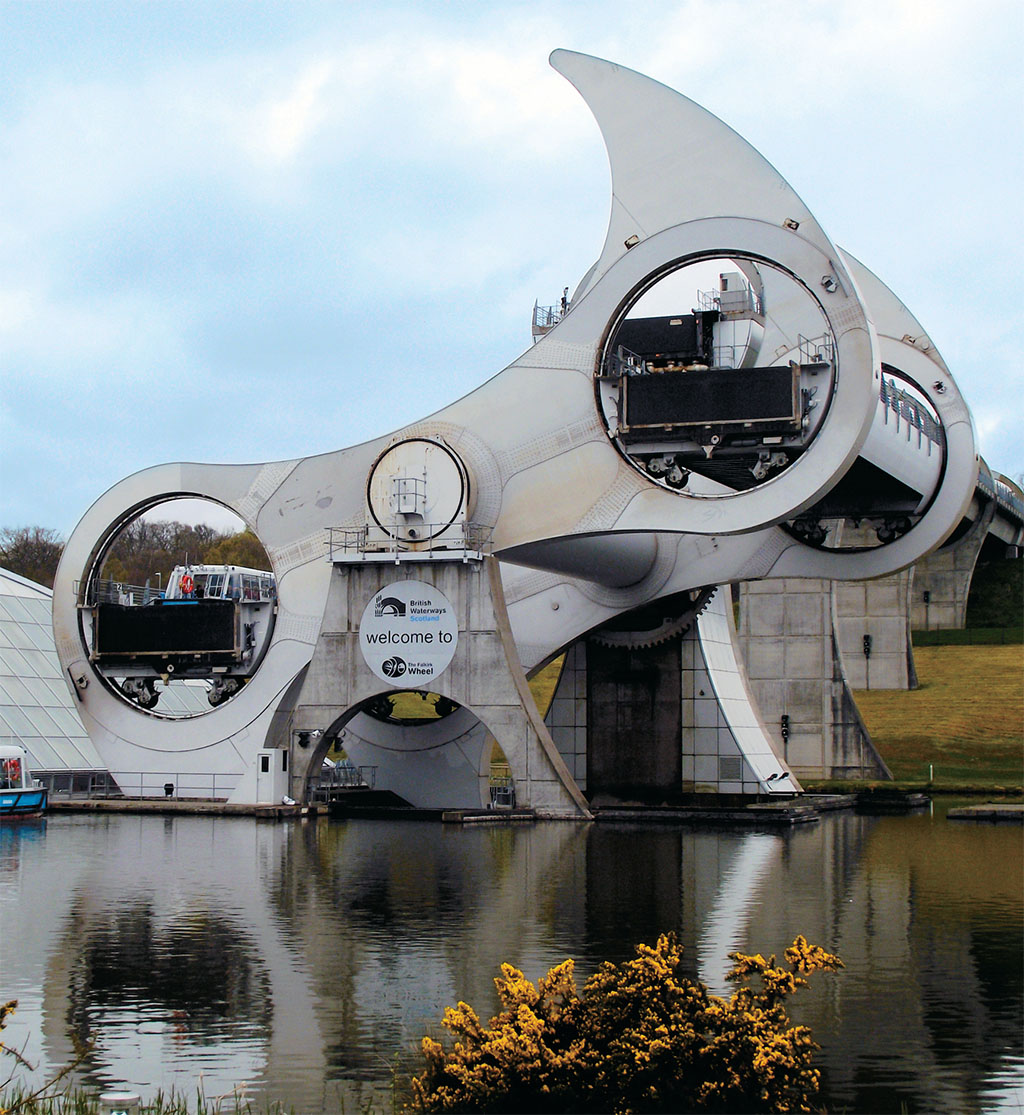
<point>254,231</point>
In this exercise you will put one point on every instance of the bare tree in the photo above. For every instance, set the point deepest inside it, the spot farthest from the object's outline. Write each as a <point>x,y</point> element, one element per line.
<point>31,552</point>
<point>148,551</point>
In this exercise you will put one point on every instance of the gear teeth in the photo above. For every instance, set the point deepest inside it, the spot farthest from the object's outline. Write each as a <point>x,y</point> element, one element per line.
<point>671,629</point>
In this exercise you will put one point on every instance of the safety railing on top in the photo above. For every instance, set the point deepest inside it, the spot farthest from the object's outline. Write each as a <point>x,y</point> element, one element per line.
<point>107,591</point>
<point>1004,495</point>
<point>436,541</point>
<point>544,317</point>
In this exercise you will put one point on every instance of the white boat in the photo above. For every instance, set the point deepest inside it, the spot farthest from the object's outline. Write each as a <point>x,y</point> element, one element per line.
<point>212,622</point>
<point>20,794</point>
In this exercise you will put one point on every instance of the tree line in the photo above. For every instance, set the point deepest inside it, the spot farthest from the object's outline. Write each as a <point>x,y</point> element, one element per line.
<point>143,551</point>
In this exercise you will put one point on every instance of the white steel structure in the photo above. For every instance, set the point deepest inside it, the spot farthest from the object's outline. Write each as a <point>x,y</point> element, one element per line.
<point>602,479</point>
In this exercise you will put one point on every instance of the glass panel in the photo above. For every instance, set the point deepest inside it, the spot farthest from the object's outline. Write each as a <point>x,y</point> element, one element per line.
<point>16,721</point>
<point>43,665</point>
<point>17,692</point>
<point>17,610</point>
<point>37,692</point>
<point>41,635</point>
<point>13,662</point>
<point>42,755</point>
<point>4,641</point>
<point>60,693</point>
<point>19,636</point>
<point>39,610</point>
<point>41,722</point>
<point>67,723</point>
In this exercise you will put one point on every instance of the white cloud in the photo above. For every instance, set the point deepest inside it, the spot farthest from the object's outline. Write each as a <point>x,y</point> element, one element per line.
<point>429,167</point>
<point>293,120</point>
<point>16,309</point>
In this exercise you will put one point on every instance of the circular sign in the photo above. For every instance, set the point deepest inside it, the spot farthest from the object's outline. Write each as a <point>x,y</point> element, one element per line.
<point>408,633</point>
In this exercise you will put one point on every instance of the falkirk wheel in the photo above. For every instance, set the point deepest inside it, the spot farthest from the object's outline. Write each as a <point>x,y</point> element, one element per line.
<point>585,500</point>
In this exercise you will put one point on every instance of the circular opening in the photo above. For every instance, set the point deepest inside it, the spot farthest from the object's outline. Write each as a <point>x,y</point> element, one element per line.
<point>717,376</point>
<point>179,607</point>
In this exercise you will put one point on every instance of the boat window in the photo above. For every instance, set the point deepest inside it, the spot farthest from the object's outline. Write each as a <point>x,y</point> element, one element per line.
<point>234,587</point>
<point>10,774</point>
<point>250,588</point>
<point>215,586</point>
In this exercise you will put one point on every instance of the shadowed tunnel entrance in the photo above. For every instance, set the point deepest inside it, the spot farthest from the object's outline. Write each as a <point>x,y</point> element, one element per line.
<point>634,722</point>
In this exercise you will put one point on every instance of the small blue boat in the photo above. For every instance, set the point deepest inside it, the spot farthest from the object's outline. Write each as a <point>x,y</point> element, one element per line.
<point>20,794</point>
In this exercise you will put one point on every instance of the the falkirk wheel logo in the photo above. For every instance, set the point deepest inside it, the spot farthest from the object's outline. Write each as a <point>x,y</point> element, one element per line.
<point>394,667</point>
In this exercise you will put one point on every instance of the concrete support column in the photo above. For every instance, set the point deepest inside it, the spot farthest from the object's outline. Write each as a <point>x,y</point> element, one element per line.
<point>942,581</point>
<point>872,624</point>
<point>431,766</point>
<point>795,671</point>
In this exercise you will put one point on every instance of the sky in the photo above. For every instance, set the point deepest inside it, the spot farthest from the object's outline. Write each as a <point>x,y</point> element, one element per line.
<point>235,232</point>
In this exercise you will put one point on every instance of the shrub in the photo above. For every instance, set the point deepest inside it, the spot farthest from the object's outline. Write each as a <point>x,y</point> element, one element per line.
<point>640,1038</point>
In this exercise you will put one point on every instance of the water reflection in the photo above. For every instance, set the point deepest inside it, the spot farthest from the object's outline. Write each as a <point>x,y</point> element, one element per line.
<point>304,960</point>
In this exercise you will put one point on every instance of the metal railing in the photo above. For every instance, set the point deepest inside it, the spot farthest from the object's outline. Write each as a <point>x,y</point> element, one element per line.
<point>1007,498</point>
<point>816,350</point>
<point>175,784</point>
<point>544,317</point>
<point>907,409</point>
<point>439,541</point>
<point>78,784</point>
<point>341,777</point>
<point>743,301</point>
<point>138,784</point>
<point>502,792</point>
<point>622,362</point>
<point>107,591</point>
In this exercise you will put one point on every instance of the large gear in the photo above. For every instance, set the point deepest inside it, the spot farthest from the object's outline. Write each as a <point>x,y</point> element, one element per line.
<point>677,615</point>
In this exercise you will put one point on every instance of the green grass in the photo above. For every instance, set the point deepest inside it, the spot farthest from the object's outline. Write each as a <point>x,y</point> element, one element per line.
<point>84,1101</point>
<point>965,722</point>
<point>968,636</point>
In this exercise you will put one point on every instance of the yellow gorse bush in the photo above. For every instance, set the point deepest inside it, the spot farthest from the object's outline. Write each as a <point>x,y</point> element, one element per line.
<point>641,1037</point>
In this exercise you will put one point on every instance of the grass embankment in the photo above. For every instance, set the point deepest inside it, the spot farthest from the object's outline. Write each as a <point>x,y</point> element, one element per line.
<point>966,720</point>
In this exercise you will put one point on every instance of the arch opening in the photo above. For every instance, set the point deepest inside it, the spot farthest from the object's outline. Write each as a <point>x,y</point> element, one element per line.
<point>413,748</point>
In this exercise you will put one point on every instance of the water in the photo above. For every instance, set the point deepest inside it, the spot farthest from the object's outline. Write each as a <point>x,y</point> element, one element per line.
<point>302,962</point>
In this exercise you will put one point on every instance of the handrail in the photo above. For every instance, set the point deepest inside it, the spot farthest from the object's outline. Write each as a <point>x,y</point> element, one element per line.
<point>438,542</point>
<point>544,317</point>
<point>341,778</point>
<point>108,591</point>
<point>910,410</point>
<point>206,785</point>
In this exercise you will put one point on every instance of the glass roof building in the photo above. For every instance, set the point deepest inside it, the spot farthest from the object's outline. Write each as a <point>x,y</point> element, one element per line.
<point>37,711</point>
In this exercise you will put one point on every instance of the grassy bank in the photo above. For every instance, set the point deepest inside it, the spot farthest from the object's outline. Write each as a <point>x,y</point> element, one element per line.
<point>966,720</point>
